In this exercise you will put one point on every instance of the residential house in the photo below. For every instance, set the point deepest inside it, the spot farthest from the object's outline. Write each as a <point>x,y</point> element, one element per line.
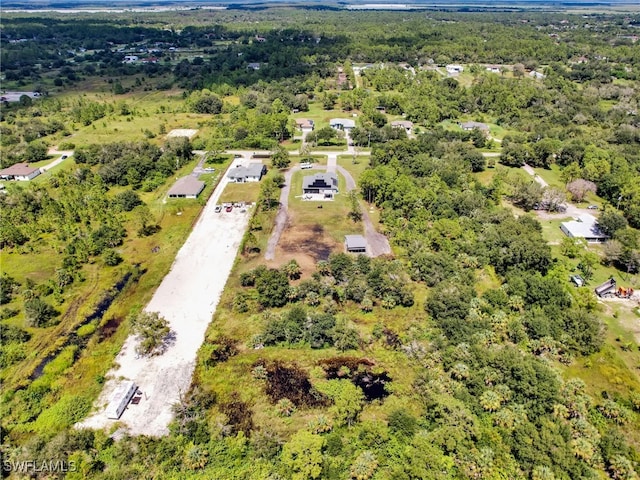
<point>20,172</point>
<point>469,126</point>
<point>186,187</point>
<point>130,59</point>
<point>493,68</point>
<point>585,226</point>
<point>537,75</point>
<point>342,123</point>
<point>454,69</point>
<point>355,244</point>
<point>321,186</point>
<point>254,65</point>
<point>252,172</point>
<point>404,124</point>
<point>304,124</point>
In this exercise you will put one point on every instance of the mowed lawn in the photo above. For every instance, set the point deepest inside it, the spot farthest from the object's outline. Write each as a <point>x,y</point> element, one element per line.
<point>240,192</point>
<point>331,215</point>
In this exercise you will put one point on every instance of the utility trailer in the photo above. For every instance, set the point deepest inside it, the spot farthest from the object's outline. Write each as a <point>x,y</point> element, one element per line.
<point>607,289</point>
<point>120,398</point>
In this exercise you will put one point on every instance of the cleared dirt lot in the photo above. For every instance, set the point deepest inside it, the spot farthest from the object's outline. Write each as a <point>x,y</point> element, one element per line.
<point>187,298</point>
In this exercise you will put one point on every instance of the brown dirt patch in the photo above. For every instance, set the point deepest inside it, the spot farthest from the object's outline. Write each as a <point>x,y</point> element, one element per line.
<point>307,244</point>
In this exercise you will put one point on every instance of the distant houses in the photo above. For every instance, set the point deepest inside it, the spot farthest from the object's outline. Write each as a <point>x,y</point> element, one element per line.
<point>252,172</point>
<point>342,124</point>
<point>585,226</point>
<point>186,187</point>
<point>321,186</point>
<point>19,172</point>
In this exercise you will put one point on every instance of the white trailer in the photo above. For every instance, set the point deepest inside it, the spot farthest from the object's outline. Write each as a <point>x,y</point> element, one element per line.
<point>120,398</point>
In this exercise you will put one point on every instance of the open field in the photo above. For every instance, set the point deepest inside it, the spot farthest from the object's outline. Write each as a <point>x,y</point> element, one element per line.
<point>240,192</point>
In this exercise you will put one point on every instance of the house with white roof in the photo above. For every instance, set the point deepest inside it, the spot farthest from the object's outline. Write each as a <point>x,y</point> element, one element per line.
<point>585,226</point>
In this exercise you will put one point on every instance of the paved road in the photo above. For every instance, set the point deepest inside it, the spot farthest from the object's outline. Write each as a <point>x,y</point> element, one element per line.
<point>58,160</point>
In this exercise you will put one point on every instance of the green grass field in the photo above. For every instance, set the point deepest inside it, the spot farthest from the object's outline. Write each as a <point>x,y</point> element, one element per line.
<point>240,192</point>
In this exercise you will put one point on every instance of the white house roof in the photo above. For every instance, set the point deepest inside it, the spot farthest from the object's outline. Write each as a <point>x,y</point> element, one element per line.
<point>345,122</point>
<point>355,242</point>
<point>472,125</point>
<point>585,226</point>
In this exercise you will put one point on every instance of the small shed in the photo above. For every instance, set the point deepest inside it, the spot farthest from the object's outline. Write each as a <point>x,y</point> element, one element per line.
<point>355,244</point>
<point>186,187</point>
<point>120,398</point>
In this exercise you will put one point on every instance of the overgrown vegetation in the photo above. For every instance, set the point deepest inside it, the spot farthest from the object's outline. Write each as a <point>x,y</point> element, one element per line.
<point>468,354</point>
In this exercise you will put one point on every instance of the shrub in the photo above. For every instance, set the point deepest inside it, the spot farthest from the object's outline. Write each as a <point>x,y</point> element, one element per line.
<point>38,313</point>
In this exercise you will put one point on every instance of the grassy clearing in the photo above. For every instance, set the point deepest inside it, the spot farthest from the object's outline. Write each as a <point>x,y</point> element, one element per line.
<point>355,166</point>
<point>551,176</point>
<point>551,230</point>
<point>332,216</point>
<point>240,192</point>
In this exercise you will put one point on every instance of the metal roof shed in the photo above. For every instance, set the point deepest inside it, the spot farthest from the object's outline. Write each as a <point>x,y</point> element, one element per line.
<point>355,243</point>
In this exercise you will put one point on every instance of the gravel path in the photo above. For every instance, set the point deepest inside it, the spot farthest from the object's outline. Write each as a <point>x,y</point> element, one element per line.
<point>378,243</point>
<point>187,298</point>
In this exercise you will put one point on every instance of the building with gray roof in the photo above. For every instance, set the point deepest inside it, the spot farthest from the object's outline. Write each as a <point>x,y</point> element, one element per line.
<point>252,172</point>
<point>585,226</point>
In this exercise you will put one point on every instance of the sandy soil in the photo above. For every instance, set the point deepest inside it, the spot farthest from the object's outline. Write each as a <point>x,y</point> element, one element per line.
<point>187,298</point>
<point>182,132</point>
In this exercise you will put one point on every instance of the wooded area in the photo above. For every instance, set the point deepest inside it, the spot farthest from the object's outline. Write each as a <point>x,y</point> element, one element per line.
<point>465,354</point>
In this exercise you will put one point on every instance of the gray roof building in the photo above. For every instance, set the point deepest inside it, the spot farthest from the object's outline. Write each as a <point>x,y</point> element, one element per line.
<point>355,243</point>
<point>585,226</point>
<point>320,181</point>
<point>186,187</point>
<point>473,125</point>
<point>252,172</point>
<point>342,123</point>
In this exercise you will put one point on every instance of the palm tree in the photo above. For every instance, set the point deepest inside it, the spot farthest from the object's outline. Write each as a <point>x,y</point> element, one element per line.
<point>292,269</point>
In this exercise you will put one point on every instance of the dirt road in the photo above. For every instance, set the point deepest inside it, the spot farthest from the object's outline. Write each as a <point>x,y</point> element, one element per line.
<point>187,299</point>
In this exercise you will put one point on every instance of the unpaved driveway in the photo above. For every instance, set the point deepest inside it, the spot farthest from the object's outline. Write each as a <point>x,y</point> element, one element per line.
<point>187,298</point>
<point>378,243</point>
